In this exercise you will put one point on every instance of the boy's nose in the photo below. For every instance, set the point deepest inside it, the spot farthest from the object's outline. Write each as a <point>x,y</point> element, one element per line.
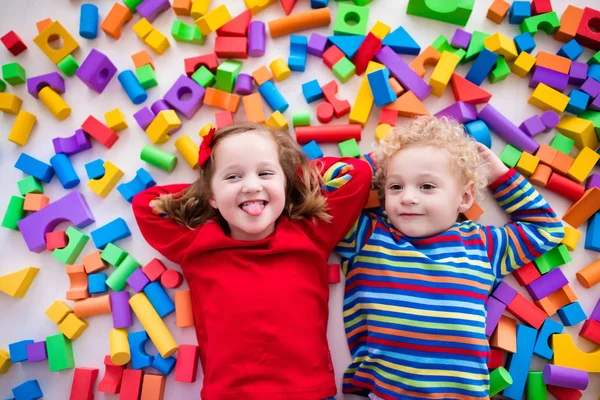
<point>408,198</point>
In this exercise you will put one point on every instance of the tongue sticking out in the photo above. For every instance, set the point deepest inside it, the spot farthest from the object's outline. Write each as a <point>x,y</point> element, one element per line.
<point>253,208</point>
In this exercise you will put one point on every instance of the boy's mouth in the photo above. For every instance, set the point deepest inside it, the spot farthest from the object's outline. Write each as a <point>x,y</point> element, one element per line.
<point>253,207</point>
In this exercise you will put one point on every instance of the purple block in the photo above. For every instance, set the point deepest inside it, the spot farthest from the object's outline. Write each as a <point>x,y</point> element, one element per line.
<point>138,280</point>
<point>37,83</point>
<point>596,312</point>
<point>185,96</point>
<point>550,77</point>
<point>161,105</point>
<point>150,9</point>
<point>533,125</point>
<point>508,131</point>
<point>495,309</point>
<point>550,119</point>
<point>461,39</point>
<point>96,71</point>
<point>243,84</point>
<point>460,111</point>
<point>400,70</point>
<point>593,181</point>
<point>144,117</point>
<point>577,73</point>
<point>72,144</point>
<point>257,39</point>
<point>121,312</point>
<point>566,377</point>
<point>37,351</point>
<point>547,284</point>
<point>595,105</point>
<point>71,207</point>
<point>317,44</point>
<point>591,87</point>
<point>505,293</point>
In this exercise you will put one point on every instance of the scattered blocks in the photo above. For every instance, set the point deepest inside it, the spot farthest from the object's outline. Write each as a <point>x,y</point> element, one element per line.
<point>53,30</point>
<point>13,43</point>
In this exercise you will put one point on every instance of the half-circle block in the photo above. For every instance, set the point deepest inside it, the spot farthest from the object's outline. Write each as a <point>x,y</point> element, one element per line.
<point>542,344</point>
<point>566,354</point>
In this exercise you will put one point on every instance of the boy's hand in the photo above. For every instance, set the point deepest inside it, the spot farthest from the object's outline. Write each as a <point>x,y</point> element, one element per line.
<point>497,167</point>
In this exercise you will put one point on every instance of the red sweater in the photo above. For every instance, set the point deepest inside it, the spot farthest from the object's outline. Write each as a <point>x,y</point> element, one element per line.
<point>261,307</point>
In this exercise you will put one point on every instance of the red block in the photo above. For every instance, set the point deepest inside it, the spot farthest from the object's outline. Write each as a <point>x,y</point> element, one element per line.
<point>526,274</point>
<point>332,55</point>
<point>467,91</point>
<point>194,63</point>
<point>495,359</point>
<point>154,269</point>
<point>562,393</point>
<point>223,118</point>
<point>237,26</point>
<point>171,279</point>
<point>56,240</point>
<point>82,387</point>
<point>99,131</point>
<point>231,47</point>
<point>13,43</point>
<point>187,363</point>
<point>367,50</point>
<point>588,33</point>
<point>388,116</point>
<point>540,7</point>
<point>340,107</point>
<point>526,311</point>
<point>591,331</point>
<point>288,6</point>
<point>131,384</point>
<point>111,382</point>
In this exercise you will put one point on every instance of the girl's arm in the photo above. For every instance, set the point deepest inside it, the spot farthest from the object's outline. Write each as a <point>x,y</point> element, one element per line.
<point>164,234</point>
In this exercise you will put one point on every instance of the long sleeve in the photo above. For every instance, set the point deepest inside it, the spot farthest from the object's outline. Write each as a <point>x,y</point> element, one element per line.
<point>534,229</point>
<point>164,234</point>
<point>357,236</point>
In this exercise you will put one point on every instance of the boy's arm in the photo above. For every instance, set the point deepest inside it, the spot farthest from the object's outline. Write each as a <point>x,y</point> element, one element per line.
<point>164,234</point>
<point>357,236</point>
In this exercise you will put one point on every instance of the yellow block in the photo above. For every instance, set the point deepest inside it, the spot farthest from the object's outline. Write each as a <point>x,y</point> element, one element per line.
<point>571,238</point>
<point>199,8</point>
<point>165,122</point>
<point>584,162</point>
<point>546,98</point>
<point>10,103</point>
<point>4,361</point>
<point>120,354</point>
<point>48,34</point>
<point>280,69</point>
<point>256,6</point>
<point>16,284</point>
<point>104,185</point>
<point>72,326</point>
<point>22,128</point>
<point>157,41</point>
<point>382,131</point>
<point>443,72</point>
<point>58,311</point>
<point>153,324</point>
<point>380,30</point>
<point>115,120</point>
<point>205,129</point>
<point>527,164</point>
<point>142,28</point>
<point>501,45</point>
<point>277,120</point>
<point>215,19</point>
<point>566,354</point>
<point>188,149</point>
<point>580,130</point>
<point>523,64</point>
<point>361,109</point>
<point>54,103</point>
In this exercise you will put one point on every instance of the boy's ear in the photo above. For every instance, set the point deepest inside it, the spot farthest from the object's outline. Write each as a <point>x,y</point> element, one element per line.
<point>468,198</point>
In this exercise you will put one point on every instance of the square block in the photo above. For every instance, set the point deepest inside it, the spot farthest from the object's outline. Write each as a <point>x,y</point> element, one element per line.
<point>48,34</point>
<point>312,150</point>
<point>35,201</point>
<point>146,76</point>
<point>58,311</point>
<point>154,269</point>
<point>115,120</point>
<point>349,148</point>
<point>510,156</point>
<point>141,58</point>
<point>37,351</point>
<point>527,164</point>
<point>14,74</point>
<point>97,283</point>
<point>351,20</point>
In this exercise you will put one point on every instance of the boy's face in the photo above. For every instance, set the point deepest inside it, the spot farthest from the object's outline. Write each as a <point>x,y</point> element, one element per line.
<point>423,193</point>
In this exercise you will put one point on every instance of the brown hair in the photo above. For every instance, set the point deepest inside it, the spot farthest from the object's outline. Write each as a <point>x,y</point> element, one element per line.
<point>303,197</point>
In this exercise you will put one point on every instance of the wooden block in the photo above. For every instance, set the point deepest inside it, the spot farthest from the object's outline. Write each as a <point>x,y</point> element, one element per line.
<point>182,7</point>
<point>578,129</point>
<point>153,387</point>
<point>584,208</point>
<point>553,61</point>
<point>361,109</point>
<point>541,175</point>
<point>584,162</point>
<point>505,335</point>
<point>443,72</point>
<point>498,11</point>
<point>17,283</point>
<point>103,186</point>
<point>79,282</point>
<point>141,58</point>
<point>546,98</point>
<point>569,22</point>
<point>261,75</point>
<point>55,29</point>
<point>115,19</point>
<point>72,326</point>
<point>214,19</point>
<point>474,212</point>
<point>562,163</point>
<point>501,45</point>
<point>35,201</point>
<point>429,56</point>
<point>221,99</point>
<point>527,164</point>
<point>526,311</point>
<point>523,64</point>
<point>571,238</point>
<point>254,108</point>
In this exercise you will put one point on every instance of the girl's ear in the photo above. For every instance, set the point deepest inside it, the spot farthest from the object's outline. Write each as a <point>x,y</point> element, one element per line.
<point>212,201</point>
<point>468,198</point>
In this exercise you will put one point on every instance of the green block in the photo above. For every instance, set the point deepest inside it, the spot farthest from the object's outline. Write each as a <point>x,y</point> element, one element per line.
<point>475,45</point>
<point>362,2</point>
<point>146,76</point>
<point>113,254</point>
<point>117,280</point>
<point>159,158</point>
<point>562,143</point>
<point>343,69</point>
<point>60,352</point>
<point>68,65</point>
<point>547,22</point>
<point>593,116</point>
<point>554,258</point>
<point>2,86</point>
<point>451,11</point>
<point>595,59</point>
<point>500,379</point>
<point>182,32</point>
<point>510,156</point>
<point>204,77</point>
<point>227,73</point>
<point>500,72</point>
<point>14,213</point>
<point>301,118</point>
<point>351,20</point>
<point>349,148</point>
<point>14,74</point>
<point>441,44</point>
<point>132,4</point>
<point>30,185</point>
<point>536,387</point>
<point>77,241</point>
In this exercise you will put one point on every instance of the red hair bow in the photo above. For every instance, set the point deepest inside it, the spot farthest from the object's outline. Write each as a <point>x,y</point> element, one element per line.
<point>206,148</point>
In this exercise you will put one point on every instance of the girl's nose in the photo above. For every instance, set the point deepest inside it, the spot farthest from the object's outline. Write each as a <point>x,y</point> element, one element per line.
<point>252,185</point>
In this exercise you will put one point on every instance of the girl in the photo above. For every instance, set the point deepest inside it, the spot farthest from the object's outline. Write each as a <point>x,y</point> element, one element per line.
<point>252,236</point>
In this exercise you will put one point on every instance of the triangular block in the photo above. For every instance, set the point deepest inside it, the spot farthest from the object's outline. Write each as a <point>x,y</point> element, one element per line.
<point>408,105</point>
<point>288,6</point>
<point>401,42</point>
<point>347,44</point>
<point>237,26</point>
<point>467,91</point>
<point>17,283</point>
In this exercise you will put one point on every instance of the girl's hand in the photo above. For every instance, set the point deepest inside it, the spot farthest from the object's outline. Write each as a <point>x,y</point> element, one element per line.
<point>497,169</point>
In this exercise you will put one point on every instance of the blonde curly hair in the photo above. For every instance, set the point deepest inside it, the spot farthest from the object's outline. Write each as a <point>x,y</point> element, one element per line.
<point>443,133</point>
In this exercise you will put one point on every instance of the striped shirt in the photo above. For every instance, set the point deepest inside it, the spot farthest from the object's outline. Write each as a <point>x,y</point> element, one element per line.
<point>415,308</point>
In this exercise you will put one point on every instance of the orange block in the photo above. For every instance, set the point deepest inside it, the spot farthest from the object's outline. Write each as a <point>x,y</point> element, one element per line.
<point>569,22</point>
<point>153,387</point>
<point>553,61</point>
<point>43,24</point>
<point>589,275</point>
<point>584,208</point>
<point>562,163</point>
<point>35,202</point>
<point>408,105</point>
<point>218,98</point>
<point>556,300</point>
<point>262,75</point>
<point>373,201</point>
<point>474,212</point>
<point>141,58</point>
<point>498,10</point>
<point>93,263</point>
<point>254,108</point>
<point>182,7</point>
<point>183,309</point>
<point>300,21</point>
<point>430,56</point>
<point>396,86</point>
<point>546,154</point>
<point>92,306</point>
<point>505,335</point>
<point>79,282</point>
<point>115,19</point>
<point>540,176</point>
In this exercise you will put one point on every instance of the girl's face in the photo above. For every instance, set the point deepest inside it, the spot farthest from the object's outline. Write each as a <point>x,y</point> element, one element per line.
<point>248,184</point>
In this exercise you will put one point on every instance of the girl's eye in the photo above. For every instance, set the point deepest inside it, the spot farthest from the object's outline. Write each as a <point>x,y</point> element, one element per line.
<point>265,173</point>
<point>231,177</point>
<point>427,186</point>
<point>396,187</point>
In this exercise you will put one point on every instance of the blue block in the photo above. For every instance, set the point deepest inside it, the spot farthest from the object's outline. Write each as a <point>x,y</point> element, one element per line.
<point>273,97</point>
<point>35,167</point>
<point>298,51</point>
<point>571,50</point>
<point>314,4</point>
<point>29,390</point>
<point>137,343</point>
<point>519,10</point>
<point>483,65</point>
<point>401,42</point>
<point>518,363</point>
<point>163,365</point>
<point>97,283</point>
<point>159,299</point>
<point>141,182</point>
<point>480,132</point>
<point>110,233</point>
<point>64,170</point>
<point>137,94</point>
<point>578,102</point>
<point>95,169</point>
<point>88,21</point>
<point>524,42</point>
<point>592,233</point>
<point>594,72</point>
<point>18,350</point>
<point>542,344</point>
<point>572,314</point>
<point>312,150</point>
<point>379,81</point>
<point>349,45</point>
<point>312,91</point>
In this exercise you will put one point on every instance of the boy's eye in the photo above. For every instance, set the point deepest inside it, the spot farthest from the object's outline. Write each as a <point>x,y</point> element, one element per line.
<point>396,187</point>
<point>427,186</point>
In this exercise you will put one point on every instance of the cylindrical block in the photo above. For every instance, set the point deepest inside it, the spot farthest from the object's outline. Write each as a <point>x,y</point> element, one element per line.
<point>117,280</point>
<point>325,112</point>
<point>132,87</point>
<point>121,312</point>
<point>500,379</point>
<point>119,347</point>
<point>273,97</point>
<point>300,21</point>
<point>243,84</point>
<point>256,39</point>
<point>159,298</point>
<point>328,133</point>
<point>54,103</point>
<point>507,130</point>
<point>183,309</point>
<point>565,187</point>
<point>88,21</point>
<point>171,279</point>
<point>64,170</point>
<point>188,149</point>
<point>92,306</point>
<point>280,69</point>
<point>536,388</point>
<point>22,128</point>
<point>541,175</point>
<point>550,119</point>
<point>159,105</point>
<point>566,377</point>
<point>381,131</point>
<point>589,275</point>
<point>159,158</point>
<point>153,324</point>
<point>480,132</point>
